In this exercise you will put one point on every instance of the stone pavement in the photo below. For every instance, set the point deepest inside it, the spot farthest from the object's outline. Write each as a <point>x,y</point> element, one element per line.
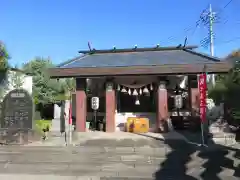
<point>82,138</point>
<point>123,158</point>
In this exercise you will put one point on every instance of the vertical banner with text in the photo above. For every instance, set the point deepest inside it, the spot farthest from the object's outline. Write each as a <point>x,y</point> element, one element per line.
<point>70,114</point>
<point>202,85</point>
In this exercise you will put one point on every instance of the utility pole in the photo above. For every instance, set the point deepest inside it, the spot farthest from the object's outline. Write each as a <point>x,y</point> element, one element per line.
<point>207,19</point>
<point>211,19</point>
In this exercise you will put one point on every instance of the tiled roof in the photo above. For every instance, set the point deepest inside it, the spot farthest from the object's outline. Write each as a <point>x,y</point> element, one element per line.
<point>143,58</point>
<point>140,61</point>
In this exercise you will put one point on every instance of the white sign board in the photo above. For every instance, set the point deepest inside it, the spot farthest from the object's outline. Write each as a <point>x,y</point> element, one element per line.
<point>95,103</point>
<point>178,101</point>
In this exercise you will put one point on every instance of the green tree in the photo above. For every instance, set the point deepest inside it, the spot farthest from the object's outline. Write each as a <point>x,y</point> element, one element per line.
<point>45,90</point>
<point>228,86</point>
<point>4,57</point>
<point>4,65</point>
<point>69,85</point>
<point>4,88</point>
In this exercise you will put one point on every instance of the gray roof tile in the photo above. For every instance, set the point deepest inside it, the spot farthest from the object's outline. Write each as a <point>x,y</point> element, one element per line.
<point>148,58</point>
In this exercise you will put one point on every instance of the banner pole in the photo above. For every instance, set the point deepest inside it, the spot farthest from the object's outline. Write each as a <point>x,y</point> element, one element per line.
<point>203,142</point>
<point>70,121</point>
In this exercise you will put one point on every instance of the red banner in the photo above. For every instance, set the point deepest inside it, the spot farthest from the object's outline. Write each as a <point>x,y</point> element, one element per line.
<point>70,114</point>
<point>202,85</point>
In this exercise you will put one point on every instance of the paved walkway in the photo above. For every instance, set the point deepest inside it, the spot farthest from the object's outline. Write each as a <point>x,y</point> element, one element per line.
<point>92,137</point>
<point>119,159</point>
<point>88,137</point>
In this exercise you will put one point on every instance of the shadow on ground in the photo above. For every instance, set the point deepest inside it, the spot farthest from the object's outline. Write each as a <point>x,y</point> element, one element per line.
<point>216,161</point>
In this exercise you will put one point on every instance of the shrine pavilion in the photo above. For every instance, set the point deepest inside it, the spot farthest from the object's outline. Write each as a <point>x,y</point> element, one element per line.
<point>139,82</point>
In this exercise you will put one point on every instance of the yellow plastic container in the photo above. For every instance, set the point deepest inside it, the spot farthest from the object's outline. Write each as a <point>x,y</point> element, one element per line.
<point>141,125</point>
<point>137,125</point>
<point>130,124</point>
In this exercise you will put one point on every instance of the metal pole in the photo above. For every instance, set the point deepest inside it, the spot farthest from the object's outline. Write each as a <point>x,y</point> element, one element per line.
<point>211,19</point>
<point>95,120</point>
<point>202,127</point>
<point>211,30</point>
<point>70,121</point>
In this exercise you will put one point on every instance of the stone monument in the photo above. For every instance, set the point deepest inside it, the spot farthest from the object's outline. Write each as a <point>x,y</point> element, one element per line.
<point>16,116</point>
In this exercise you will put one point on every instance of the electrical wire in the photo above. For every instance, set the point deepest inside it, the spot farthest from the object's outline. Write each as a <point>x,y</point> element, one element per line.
<point>198,22</point>
<point>191,30</point>
<point>227,4</point>
<point>225,22</point>
<point>228,41</point>
<point>205,20</point>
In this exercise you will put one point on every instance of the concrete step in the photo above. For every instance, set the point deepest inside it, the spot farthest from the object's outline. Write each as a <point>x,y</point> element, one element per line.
<point>119,168</point>
<point>130,159</point>
<point>72,177</point>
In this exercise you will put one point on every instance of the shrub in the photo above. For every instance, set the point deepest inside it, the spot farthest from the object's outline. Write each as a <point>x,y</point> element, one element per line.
<point>42,124</point>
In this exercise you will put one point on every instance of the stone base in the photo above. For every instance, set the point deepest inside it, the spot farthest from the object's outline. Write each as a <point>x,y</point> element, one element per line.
<point>18,137</point>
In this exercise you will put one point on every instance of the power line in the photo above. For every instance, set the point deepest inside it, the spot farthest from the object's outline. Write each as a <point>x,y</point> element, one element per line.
<point>228,41</point>
<point>209,19</point>
<point>227,4</point>
<point>224,7</point>
<point>191,29</point>
<point>204,20</point>
<point>185,31</point>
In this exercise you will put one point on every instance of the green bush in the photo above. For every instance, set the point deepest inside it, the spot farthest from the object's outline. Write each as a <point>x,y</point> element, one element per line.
<point>217,93</point>
<point>41,124</point>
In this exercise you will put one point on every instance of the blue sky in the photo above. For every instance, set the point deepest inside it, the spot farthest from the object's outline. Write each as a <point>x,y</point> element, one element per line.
<point>59,28</point>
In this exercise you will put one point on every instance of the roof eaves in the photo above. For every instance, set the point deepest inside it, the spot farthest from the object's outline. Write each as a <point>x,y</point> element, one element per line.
<point>20,71</point>
<point>212,58</point>
<point>71,61</point>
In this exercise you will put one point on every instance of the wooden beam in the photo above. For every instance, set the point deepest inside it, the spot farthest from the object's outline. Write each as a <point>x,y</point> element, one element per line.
<point>170,69</point>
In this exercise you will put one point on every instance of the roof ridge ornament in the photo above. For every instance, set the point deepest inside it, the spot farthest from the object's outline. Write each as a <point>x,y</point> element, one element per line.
<point>91,50</point>
<point>185,41</point>
<point>136,49</point>
<point>114,48</point>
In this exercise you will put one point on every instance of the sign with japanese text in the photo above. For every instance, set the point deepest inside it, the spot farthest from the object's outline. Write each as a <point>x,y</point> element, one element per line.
<point>17,110</point>
<point>16,117</point>
<point>178,101</point>
<point>202,85</point>
<point>95,103</point>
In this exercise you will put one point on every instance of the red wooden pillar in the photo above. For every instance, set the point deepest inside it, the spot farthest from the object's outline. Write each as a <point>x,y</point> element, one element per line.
<point>81,105</point>
<point>162,107</point>
<point>110,107</point>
